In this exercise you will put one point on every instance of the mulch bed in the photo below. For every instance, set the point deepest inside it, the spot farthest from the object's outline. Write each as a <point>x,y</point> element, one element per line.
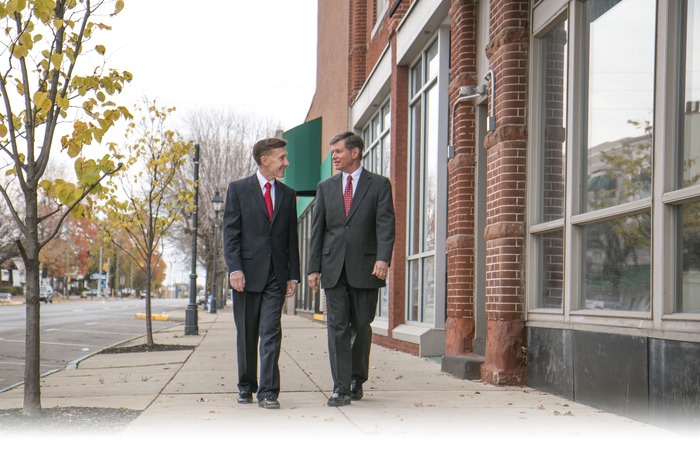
<point>67,420</point>
<point>147,348</point>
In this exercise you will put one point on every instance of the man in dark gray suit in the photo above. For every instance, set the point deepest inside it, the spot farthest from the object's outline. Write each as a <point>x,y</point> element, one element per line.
<point>352,238</point>
<point>262,255</point>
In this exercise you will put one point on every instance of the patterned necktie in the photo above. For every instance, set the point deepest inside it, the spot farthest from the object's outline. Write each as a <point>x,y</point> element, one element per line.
<point>268,199</point>
<point>347,195</point>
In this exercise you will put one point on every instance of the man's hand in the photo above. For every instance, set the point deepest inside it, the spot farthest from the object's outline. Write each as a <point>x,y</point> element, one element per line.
<point>314,280</point>
<point>381,269</point>
<point>237,281</point>
<point>291,288</point>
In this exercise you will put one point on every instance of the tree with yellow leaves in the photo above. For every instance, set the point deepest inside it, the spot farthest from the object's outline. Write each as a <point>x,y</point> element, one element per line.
<point>147,197</point>
<point>43,82</point>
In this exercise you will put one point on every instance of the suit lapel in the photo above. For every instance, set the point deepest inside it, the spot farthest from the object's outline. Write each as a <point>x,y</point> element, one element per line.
<point>362,186</point>
<point>257,193</point>
<point>336,199</point>
<point>279,196</point>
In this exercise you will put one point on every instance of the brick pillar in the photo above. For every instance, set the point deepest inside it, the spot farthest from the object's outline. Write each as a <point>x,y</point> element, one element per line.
<point>505,233</point>
<point>357,55</point>
<point>459,321</point>
<point>399,176</point>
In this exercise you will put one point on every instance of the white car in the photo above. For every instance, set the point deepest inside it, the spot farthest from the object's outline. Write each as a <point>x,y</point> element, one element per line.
<point>46,294</point>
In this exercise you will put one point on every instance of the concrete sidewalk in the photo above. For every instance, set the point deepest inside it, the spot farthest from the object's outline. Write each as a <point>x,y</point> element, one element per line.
<point>181,391</point>
<point>411,410</point>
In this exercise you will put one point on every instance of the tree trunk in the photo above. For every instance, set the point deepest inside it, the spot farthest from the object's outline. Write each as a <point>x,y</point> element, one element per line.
<point>32,341</point>
<point>149,324</point>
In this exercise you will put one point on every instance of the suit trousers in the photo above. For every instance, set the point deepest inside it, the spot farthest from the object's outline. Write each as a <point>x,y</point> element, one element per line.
<point>257,317</point>
<point>350,315</point>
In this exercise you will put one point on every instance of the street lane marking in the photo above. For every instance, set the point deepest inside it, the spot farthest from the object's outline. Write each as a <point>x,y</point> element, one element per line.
<point>51,343</point>
<point>91,332</point>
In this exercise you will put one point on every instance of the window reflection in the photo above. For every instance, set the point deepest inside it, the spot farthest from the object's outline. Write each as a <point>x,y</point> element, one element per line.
<point>553,147</point>
<point>617,264</point>
<point>551,269</point>
<point>689,139</point>
<point>689,258</point>
<point>620,101</point>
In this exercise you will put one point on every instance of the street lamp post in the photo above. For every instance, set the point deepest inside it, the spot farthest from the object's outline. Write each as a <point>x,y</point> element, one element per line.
<point>191,325</point>
<point>218,204</point>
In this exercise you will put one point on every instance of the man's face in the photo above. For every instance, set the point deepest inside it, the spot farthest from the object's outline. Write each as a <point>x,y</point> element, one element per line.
<point>345,160</point>
<point>274,163</point>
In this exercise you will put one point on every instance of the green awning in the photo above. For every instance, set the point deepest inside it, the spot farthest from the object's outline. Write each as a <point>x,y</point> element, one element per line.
<point>304,149</point>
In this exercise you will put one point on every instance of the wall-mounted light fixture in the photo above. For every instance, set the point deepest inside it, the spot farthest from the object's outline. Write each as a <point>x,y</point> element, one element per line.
<point>491,120</point>
<point>466,93</point>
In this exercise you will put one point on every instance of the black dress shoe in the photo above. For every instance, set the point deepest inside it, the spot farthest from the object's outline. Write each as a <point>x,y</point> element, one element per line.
<point>339,400</point>
<point>356,390</point>
<point>245,397</point>
<point>268,402</point>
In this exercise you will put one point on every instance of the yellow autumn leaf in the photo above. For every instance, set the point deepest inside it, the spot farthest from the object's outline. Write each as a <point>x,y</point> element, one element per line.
<point>63,102</point>
<point>100,49</point>
<point>3,130</point>
<point>118,7</point>
<point>56,59</point>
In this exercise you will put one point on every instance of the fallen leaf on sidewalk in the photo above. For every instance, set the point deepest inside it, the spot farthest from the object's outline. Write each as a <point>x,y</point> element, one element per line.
<point>418,404</point>
<point>201,399</point>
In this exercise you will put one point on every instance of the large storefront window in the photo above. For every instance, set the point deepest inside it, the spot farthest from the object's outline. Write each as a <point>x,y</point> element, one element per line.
<point>614,228</point>
<point>549,240</point>
<point>305,299</point>
<point>688,165</point>
<point>377,159</point>
<point>423,166</point>
<point>620,103</point>
<point>617,155</point>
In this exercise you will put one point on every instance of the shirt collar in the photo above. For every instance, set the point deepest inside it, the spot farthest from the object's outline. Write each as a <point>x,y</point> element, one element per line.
<point>355,175</point>
<point>262,180</point>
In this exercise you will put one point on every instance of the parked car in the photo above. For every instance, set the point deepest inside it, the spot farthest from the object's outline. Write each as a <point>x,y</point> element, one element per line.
<point>46,294</point>
<point>144,293</point>
<point>201,298</point>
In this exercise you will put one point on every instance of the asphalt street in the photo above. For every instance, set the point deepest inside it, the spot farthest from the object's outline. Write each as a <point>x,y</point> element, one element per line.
<point>73,329</point>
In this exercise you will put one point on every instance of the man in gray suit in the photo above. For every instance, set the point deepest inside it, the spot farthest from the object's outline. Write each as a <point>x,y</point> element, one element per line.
<point>352,238</point>
<point>262,255</point>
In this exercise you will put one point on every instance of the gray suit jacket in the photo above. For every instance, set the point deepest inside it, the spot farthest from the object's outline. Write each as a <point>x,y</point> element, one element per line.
<point>358,241</point>
<point>252,242</point>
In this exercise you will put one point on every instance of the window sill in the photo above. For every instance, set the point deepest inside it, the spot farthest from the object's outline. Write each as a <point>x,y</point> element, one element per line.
<point>431,342</point>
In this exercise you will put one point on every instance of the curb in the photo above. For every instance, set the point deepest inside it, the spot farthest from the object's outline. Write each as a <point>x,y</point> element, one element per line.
<point>74,364</point>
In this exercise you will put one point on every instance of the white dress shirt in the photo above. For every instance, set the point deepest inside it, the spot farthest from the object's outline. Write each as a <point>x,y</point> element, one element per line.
<point>355,178</point>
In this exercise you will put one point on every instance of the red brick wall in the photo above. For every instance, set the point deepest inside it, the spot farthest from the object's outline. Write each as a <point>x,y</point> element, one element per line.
<point>357,55</point>
<point>507,156</point>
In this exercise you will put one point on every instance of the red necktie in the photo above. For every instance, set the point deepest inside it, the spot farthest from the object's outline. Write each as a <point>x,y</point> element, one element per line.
<point>268,199</point>
<point>347,195</point>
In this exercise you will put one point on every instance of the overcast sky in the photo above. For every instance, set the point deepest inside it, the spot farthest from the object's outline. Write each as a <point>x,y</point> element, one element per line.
<point>257,57</point>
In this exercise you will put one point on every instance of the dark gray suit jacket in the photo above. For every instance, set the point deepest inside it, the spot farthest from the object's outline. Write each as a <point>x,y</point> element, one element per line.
<point>251,240</point>
<point>358,241</point>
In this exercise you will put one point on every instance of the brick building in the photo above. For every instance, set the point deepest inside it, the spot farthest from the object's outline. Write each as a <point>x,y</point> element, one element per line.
<point>543,159</point>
